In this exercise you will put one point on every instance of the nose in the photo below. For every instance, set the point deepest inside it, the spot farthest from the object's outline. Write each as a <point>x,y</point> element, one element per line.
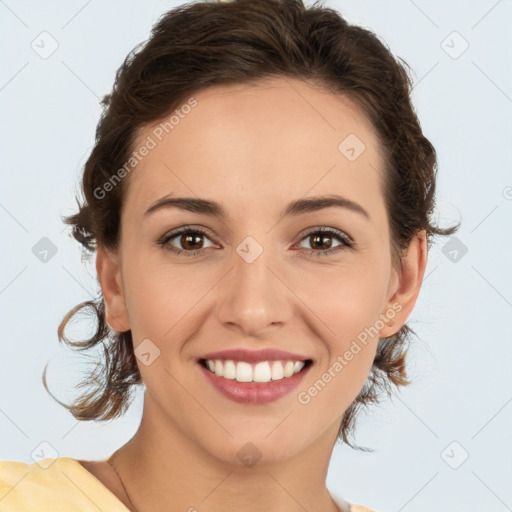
<point>253,297</point>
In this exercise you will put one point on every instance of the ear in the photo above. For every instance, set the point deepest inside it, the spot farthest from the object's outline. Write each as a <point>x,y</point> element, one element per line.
<point>109,276</point>
<point>406,285</point>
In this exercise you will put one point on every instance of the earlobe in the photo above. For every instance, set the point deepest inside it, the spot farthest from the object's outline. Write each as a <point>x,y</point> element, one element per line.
<point>409,281</point>
<point>109,276</point>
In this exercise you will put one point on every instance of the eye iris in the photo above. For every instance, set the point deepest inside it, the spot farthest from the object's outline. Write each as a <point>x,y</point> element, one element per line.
<point>187,238</point>
<point>322,239</point>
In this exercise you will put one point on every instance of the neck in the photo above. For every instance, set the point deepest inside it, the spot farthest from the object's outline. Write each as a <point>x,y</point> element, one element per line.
<point>164,469</point>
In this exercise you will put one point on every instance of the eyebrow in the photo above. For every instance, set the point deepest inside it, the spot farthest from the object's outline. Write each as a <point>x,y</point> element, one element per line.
<point>297,207</point>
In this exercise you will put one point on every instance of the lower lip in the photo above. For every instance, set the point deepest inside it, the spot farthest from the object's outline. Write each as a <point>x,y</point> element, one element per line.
<point>254,392</point>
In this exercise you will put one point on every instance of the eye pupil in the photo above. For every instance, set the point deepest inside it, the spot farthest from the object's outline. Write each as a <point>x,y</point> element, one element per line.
<point>322,239</point>
<point>186,241</point>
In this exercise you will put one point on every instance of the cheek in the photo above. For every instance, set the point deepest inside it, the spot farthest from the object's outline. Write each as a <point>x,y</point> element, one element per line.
<point>157,297</point>
<point>349,303</point>
<point>349,308</point>
<point>347,300</point>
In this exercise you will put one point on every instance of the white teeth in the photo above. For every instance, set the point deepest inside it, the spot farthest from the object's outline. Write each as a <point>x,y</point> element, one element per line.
<point>243,371</point>
<point>288,368</point>
<point>277,370</point>
<point>264,371</point>
<point>229,370</point>
<point>218,368</point>
<point>298,366</point>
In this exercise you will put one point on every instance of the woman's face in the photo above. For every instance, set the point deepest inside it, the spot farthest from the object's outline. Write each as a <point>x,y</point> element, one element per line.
<point>258,279</point>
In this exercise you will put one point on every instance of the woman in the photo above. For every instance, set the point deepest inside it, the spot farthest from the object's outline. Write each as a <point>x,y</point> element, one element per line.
<point>259,200</point>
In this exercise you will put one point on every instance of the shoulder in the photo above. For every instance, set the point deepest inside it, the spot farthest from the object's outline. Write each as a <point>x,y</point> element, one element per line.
<point>348,506</point>
<point>57,484</point>
<point>45,483</point>
<point>360,508</point>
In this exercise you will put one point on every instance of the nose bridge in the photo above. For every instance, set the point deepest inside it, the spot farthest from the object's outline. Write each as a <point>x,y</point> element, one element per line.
<point>254,298</point>
<point>252,262</point>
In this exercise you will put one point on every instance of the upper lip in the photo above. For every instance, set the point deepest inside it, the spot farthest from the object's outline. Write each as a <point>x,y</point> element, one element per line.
<point>255,356</point>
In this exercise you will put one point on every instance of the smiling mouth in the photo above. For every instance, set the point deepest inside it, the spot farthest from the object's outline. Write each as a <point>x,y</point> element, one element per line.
<point>261,372</point>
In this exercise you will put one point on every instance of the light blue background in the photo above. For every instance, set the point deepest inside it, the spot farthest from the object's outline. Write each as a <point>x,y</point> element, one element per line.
<point>461,366</point>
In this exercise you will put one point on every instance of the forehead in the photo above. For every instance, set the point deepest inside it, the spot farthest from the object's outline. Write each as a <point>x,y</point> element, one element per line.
<point>281,138</point>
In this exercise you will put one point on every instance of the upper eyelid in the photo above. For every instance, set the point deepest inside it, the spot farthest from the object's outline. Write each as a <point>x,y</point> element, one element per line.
<point>185,229</point>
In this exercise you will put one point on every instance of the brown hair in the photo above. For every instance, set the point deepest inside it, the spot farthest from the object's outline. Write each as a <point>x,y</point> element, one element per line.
<point>203,44</point>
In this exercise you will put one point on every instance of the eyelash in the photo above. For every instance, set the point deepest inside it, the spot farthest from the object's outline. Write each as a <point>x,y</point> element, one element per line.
<point>339,235</point>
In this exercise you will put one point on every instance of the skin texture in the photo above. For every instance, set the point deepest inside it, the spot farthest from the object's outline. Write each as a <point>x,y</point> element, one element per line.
<point>253,149</point>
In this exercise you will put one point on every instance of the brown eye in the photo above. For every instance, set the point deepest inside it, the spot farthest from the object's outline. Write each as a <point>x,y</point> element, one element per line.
<point>321,241</point>
<point>189,241</point>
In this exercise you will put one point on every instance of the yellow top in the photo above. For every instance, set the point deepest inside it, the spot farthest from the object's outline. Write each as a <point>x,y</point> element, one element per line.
<point>60,485</point>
